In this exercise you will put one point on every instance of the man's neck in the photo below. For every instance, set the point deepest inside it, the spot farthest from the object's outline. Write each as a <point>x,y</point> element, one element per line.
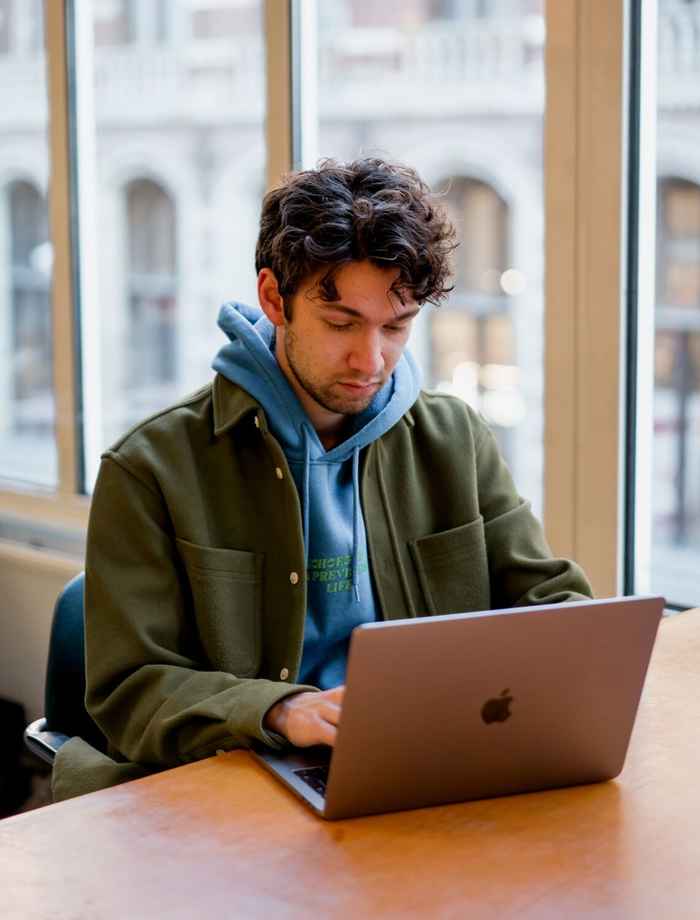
<point>331,427</point>
<point>332,437</point>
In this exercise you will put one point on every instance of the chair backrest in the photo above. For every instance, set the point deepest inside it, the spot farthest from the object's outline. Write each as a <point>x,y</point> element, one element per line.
<point>65,672</point>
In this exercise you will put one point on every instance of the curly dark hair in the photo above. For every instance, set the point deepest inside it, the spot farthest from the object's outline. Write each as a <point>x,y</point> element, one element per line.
<point>350,212</point>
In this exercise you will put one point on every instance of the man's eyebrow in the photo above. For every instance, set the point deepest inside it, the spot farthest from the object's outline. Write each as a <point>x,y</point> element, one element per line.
<point>341,308</point>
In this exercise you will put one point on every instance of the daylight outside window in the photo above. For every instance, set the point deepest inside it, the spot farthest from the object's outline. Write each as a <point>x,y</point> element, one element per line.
<point>669,400</point>
<point>179,103</point>
<point>461,100</point>
<point>27,416</point>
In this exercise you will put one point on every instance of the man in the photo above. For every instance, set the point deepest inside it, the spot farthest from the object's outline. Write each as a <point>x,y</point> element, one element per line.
<point>237,538</point>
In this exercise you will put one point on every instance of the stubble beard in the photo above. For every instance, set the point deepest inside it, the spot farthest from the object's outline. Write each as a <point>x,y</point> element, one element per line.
<point>330,401</point>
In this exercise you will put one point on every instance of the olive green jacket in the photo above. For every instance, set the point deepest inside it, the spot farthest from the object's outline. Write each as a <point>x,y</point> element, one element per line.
<point>195,595</point>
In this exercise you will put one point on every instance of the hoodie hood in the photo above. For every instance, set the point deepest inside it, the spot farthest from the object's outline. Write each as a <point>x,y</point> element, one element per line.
<point>248,359</point>
<point>340,589</point>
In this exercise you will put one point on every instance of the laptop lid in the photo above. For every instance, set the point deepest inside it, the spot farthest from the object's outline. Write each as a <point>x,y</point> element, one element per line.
<point>467,706</point>
<point>476,705</point>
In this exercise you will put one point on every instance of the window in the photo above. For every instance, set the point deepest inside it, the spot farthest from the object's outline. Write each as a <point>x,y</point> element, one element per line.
<point>150,320</point>
<point>154,204</point>
<point>179,103</point>
<point>461,98</point>
<point>676,458</point>
<point>5,26</point>
<point>30,262</point>
<point>212,20</point>
<point>27,417</point>
<point>114,22</point>
<point>668,403</point>
<point>472,338</point>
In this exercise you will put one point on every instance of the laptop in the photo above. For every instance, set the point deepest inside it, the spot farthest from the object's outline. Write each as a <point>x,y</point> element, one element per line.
<point>475,705</point>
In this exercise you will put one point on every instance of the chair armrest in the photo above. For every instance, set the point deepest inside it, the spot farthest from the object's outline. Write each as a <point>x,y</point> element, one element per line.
<point>43,743</point>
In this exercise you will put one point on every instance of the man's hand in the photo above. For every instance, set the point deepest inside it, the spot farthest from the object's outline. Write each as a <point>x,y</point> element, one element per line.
<point>307,718</point>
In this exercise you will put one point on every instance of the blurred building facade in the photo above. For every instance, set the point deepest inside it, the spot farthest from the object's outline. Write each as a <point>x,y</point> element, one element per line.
<point>452,87</point>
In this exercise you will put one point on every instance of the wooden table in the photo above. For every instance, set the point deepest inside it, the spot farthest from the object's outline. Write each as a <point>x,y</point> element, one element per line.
<point>221,838</point>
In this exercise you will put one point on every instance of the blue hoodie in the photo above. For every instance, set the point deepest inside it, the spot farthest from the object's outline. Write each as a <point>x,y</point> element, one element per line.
<point>340,590</point>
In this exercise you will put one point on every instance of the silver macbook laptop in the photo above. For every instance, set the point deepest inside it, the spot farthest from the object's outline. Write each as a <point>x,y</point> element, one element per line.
<point>474,705</point>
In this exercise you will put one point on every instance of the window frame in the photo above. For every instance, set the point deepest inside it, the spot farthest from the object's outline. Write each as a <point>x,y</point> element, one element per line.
<point>586,61</point>
<point>644,307</point>
<point>585,148</point>
<point>63,504</point>
<point>70,107</point>
<point>642,298</point>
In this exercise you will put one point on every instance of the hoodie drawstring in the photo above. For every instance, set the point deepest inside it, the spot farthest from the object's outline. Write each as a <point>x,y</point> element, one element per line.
<point>307,465</point>
<point>355,511</point>
<point>355,521</point>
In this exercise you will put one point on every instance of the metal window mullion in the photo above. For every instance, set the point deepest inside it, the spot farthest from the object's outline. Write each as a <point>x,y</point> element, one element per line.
<point>86,238</point>
<point>304,74</point>
<point>641,308</point>
<point>65,351</point>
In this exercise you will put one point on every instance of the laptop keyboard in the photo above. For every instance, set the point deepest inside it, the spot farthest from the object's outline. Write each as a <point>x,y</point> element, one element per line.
<point>316,777</point>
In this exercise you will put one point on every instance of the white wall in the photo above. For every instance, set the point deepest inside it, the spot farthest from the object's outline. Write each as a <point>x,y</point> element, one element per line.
<point>30,581</point>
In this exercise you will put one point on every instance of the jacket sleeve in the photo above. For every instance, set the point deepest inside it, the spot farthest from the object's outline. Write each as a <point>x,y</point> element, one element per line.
<point>149,688</point>
<point>521,566</point>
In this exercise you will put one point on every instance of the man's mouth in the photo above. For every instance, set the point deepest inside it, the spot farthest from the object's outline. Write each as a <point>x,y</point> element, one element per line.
<point>359,388</point>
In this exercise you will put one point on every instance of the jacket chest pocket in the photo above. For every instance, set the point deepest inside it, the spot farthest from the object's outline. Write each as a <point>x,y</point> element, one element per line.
<point>452,568</point>
<point>226,586</point>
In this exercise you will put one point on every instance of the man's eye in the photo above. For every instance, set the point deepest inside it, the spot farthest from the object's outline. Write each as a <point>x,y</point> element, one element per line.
<point>395,328</point>
<point>340,326</point>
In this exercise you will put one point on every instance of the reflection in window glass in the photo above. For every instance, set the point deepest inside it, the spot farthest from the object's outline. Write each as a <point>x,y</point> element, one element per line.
<point>179,98</point>
<point>461,100</point>
<point>27,446</point>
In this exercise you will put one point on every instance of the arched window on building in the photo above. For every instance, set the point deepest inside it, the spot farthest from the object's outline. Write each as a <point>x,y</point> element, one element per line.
<point>151,291</point>
<point>6,24</point>
<point>114,22</point>
<point>30,335</point>
<point>127,22</point>
<point>472,342</point>
<point>677,364</point>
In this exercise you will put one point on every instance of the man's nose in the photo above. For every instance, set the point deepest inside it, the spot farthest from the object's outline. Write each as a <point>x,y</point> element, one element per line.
<point>367,358</point>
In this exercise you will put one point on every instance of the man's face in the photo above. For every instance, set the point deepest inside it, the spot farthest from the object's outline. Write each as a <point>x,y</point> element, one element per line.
<point>338,355</point>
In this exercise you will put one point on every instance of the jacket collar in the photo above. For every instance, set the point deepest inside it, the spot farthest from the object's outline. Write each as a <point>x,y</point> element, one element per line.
<point>232,404</point>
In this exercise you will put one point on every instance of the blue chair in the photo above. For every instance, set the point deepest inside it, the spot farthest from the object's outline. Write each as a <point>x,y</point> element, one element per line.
<point>64,699</point>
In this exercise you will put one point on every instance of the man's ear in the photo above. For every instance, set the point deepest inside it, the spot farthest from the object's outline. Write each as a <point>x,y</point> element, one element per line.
<point>269,297</point>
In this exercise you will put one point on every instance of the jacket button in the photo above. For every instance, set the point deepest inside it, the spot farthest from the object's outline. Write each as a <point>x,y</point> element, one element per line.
<point>278,473</point>
<point>257,422</point>
<point>284,673</point>
<point>294,578</point>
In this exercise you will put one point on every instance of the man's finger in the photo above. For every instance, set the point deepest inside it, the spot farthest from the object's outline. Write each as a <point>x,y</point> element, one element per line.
<point>330,712</point>
<point>326,732</point>
<point>336,694</point>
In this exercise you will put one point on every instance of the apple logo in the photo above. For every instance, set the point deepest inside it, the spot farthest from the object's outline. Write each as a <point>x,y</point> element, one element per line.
<point>497,709</point>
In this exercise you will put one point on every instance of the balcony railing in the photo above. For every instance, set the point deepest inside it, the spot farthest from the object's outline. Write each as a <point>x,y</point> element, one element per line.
<point>201,82</point>
<point>480,50</point>
<point>458,67</point>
